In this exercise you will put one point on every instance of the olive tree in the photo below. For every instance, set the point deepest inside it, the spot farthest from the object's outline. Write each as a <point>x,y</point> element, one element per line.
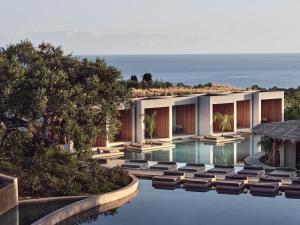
<point>55,97</point>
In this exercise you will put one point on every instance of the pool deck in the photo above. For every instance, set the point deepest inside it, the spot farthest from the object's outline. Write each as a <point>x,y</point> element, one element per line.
<point>218,140</point>
<point>148,147</point>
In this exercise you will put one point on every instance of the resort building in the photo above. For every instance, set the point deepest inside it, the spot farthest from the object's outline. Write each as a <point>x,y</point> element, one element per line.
<point>189,116</point>
<point>285,139</point>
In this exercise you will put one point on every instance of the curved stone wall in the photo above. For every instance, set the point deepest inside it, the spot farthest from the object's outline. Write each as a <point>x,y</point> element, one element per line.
<point>8,193</point>
<point>88,203</point>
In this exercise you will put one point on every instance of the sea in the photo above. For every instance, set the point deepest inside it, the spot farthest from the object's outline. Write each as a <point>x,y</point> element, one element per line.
<point>238,70</point>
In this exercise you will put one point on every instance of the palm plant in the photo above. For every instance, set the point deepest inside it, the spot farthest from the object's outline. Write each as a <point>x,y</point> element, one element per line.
<point>150,124</point>
<point>224,121</point>
<point>266,145</point>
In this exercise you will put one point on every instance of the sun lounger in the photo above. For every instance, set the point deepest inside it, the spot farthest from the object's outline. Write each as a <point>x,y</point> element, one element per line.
<point>135,164</point>
<point>164,166</point>
<point>293,190</point>
<point>193,167</point>
<point>200,182</point>
<point>283,172</point>
<point>221,169</point>
<point>168,179</point>
<point>268,187</point>
<point>252,171</point>
<point>232,184</point>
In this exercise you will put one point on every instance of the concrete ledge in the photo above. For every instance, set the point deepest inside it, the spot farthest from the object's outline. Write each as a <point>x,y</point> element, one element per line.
<point>256,160</point>
<point>8,193</point>
<point>149,148</point>
<point>88,203</point>
<point>52,199</point>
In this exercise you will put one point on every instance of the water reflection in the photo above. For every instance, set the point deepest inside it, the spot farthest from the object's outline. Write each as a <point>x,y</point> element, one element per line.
<point>160,207</point>
<point>198,152</point>
<point>97,213</point>
<point>26,214</point>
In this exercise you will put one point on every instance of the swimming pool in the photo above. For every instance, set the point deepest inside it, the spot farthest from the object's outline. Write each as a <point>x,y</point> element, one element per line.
<point>27,213</point>
<point>161,207</point>
<point>198,152</point>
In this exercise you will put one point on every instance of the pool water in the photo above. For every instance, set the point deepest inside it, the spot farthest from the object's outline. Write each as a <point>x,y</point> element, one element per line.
<point>178,207</point>
<point>198,152</point>
<point>26,214</point>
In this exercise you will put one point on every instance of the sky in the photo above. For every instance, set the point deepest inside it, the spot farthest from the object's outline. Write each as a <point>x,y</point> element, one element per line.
<point>154,26</point>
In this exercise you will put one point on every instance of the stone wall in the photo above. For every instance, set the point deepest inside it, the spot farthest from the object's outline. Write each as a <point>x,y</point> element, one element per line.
<point>8,193</point>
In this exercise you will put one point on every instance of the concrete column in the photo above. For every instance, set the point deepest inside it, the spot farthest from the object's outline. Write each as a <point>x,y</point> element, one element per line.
<point>211,156</point>
<point>140,128</point>
<point>282,108</point>
<point>170,123</point>
<point>133,117</point>
<point>234,153</point>
<point>251,147</point>
<point>256,117</point>
<point>251,112</point>
<point>205,116</point>
<point>173,119</point>
<point>211,120</point>
<point>170,154</point>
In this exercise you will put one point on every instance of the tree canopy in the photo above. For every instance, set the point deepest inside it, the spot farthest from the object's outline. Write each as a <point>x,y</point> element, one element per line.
<point>54,98</point>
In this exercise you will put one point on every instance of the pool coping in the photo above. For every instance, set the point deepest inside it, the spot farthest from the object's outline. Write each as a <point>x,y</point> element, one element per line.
<point>88,203</point>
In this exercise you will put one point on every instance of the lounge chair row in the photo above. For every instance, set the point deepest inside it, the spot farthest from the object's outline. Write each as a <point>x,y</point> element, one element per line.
<point>266,185</point>
<point>143,164</point>
<point>172,166</point>
<point>232,183</point>
<point>251,171</point>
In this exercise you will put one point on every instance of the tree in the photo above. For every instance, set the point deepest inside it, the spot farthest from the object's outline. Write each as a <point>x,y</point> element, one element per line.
<point>55,98</point>
<point>147,81</point>
<point>224,121</point>
<point>134,78</point>
<point>147,77</point>
<point>133,82</point>
<point>150,124</point>
<point>266,145</point>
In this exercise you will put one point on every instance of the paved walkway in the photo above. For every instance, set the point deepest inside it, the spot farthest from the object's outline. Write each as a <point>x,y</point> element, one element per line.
<point>255,160</point>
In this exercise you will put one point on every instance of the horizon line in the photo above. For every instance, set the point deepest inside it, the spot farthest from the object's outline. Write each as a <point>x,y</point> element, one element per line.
<point>154,54</point>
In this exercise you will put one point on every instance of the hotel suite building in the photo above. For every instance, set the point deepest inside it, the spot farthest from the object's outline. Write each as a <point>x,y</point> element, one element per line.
<point>192,115</point>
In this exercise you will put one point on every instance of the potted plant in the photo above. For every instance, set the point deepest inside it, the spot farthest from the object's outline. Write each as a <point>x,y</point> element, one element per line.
<point>150,124</point>
<point>224,121</point>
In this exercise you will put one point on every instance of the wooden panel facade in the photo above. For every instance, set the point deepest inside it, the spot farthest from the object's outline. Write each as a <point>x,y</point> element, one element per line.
<point>125,133</point>
<point>243,114</point>
<point>162,122</point>
<point>185,119</point>
<point>224,109</point>
<point>271,110</point>
<point>100,141</point>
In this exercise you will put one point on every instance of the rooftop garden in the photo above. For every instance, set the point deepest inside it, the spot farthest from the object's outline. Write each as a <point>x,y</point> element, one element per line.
<point>148,87</point>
